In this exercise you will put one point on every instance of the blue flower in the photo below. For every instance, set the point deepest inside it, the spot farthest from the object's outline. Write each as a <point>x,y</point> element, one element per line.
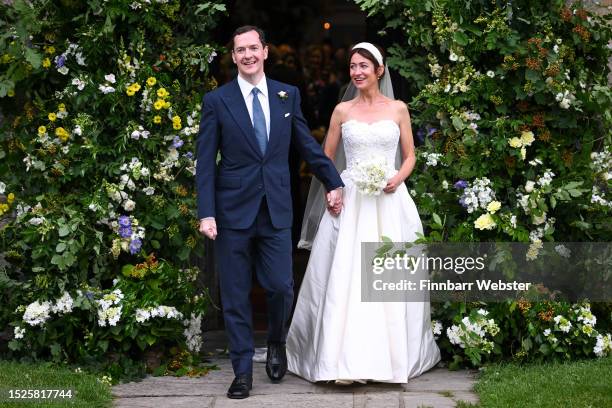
<point>188,155</point>
<point>135,246</point>
<point>125,232</point>
<point>177,142</point>
<point>124,221</point>
<point>461,184</point>
<point>61,61</point>
<point>462,202</point>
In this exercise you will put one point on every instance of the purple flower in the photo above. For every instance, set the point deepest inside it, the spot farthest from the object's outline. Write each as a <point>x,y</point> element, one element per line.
<point>188,155</point>
<point>61,61</point>
<point>177,142</point>
<point>124,221</point>
<point>431,131</point>
<point>89,295</point>
<point>420,134</point>
<point>125,232</point>
<point>135,246</point>
<point>462,202</point>
<point>461,184</point>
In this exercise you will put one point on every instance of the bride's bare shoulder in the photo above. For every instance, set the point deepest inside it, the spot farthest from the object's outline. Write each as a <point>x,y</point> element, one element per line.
<point>341,110</point>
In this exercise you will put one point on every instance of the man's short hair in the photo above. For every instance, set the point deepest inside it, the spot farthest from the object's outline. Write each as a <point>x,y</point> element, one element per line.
<point>246,29</point>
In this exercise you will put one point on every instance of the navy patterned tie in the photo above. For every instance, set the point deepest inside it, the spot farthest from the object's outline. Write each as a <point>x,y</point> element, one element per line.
<point>259,122</point>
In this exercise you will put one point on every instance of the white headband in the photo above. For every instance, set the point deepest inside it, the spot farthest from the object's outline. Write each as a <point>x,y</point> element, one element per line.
<point>373,50</point>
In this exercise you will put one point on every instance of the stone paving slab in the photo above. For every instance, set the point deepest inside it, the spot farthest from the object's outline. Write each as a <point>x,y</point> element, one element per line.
<point>438,388</point>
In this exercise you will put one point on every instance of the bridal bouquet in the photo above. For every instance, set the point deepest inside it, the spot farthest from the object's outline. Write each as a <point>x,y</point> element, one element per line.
<point>370,176</point>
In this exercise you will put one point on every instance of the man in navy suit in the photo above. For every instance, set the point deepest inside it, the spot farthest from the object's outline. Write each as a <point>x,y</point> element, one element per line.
<point>244,201</point>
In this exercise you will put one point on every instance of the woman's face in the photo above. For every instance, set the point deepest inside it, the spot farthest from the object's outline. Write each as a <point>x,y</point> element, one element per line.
<point>362,72</point>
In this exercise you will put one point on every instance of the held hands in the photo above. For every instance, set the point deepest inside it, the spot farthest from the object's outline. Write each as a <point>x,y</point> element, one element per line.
<point>208,227</point>
<point>334,201</point>
<point>393,183</point>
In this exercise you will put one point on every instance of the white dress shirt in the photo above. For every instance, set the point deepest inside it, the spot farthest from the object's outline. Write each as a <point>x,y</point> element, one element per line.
<point>246,88</point>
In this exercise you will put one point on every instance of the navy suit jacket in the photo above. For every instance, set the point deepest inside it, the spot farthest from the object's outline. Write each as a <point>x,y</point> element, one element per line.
<point>231,191</point>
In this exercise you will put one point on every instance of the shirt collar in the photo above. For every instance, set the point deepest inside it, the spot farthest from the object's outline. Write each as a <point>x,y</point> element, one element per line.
<point>246,87</point>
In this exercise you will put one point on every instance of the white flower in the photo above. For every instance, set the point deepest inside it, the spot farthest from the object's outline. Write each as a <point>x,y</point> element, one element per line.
<point>148,190</point>
<point>192,332</point>
<point>36,220</point>
<point>212,56</point>
<point>106,89</point>
<point>77,130</point>
<point>129,205</point>
<point>563,251</point>
<point>110,78</point>
<point>63,304</point>
<point>79,83</point>
<point>529,186</point>
<point>453,56</point>
<point>37,313</point>
<point>490,74</point>
<point>135,135</point>
<point>19,332</point>
<point>370,176</point>
<point>547,332</point>
<point>565,103</point>
<point>2,187</point>
<point>436,327</point>
<point>483,312</point>
<point>603,346</point>
<point>556,49</point>
<point>445,185</point>
<point>63,70</point>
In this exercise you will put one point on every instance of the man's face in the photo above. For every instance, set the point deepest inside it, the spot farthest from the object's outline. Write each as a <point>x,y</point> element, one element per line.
<point>249,54</point>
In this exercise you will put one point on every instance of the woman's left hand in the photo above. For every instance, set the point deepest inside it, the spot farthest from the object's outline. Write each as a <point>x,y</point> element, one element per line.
<point>392,185</point>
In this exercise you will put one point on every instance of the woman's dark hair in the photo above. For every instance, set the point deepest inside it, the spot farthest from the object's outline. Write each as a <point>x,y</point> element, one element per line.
<point>246,29</point>
<point>368,55</point>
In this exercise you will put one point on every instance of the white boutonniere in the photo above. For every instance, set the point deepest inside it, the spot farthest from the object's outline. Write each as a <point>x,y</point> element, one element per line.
<point>283,95</point>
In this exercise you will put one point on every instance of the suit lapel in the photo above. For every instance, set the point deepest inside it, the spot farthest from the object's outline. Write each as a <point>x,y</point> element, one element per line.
<point>275,115</point>
<point>236,105</point>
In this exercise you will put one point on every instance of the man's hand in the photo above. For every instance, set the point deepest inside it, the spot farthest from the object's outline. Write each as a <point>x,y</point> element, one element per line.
<point>208,227</point>
<point>334,201</point>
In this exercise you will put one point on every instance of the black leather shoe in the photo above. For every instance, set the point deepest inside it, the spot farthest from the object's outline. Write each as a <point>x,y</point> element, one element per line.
<point>276,363</point>
<point>240,387</point>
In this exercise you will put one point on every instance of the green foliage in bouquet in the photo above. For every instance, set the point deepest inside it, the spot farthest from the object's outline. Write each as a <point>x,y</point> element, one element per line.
<point>99,104</point>
<point>513,112</point>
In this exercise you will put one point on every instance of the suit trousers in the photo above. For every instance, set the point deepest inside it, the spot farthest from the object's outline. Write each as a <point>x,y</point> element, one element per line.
<point>268,250</point>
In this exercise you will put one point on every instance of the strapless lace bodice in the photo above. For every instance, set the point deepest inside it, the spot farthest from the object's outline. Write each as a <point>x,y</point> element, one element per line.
<point>363,141</point>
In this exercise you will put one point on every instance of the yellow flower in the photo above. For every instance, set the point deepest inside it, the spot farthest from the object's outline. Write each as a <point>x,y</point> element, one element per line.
<point>134,87</point>
<point>176,125</point>
<point>61,133</point>
<point>130,91</point>
<point>3,208</point>
<point>10,198</point>
<point>176,118</point>
<point>527,138</point>
<point>46,63</point>
<point>515,142</point>
<point>162,93</point>
<point>50,50</point>
<point>52,116</point>
<point>157,119</point>
<point>493,206</point>
<point>485,221</point>
<point>10,93</point>
<point>61,107</point>
<point>158,104</point>
<point>42,130</point>
<point>167,105</point>
<point>151,81</point>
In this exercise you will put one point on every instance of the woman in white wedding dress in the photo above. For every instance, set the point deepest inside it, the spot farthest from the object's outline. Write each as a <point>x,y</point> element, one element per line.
<point>333,334</point>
